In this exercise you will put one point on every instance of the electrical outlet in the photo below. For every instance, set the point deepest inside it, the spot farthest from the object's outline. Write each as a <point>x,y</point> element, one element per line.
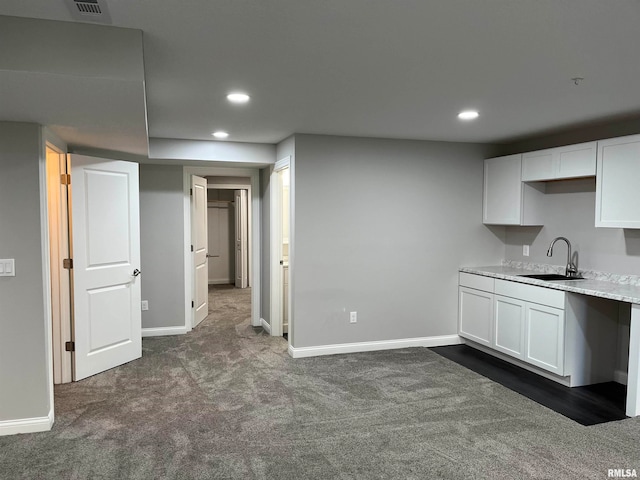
<point>525,250</point>
<point>353,317</point>
<point>145,305</point>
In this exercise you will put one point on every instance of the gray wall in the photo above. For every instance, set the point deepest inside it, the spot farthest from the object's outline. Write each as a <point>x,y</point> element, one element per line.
<point>571,136</point>
<point>162,245</point>
<point>381,228</point>
<point>569,211</point>
<point>23,342</point>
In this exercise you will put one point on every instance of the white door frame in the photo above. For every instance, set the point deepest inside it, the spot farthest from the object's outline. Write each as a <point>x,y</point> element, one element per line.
<point>60,278</point>
<point>254,175</point>
<point>46,138</point>
<point>247,187</point>
<point>276,311</point>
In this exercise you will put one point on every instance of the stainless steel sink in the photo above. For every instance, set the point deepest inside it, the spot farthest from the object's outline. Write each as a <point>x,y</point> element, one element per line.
<point>550,276</point>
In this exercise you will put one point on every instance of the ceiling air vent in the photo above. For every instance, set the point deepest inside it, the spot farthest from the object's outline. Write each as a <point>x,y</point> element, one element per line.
<point>89,10</point>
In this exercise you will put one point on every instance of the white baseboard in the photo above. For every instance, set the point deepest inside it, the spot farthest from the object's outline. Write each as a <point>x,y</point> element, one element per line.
<point>163,331</point>
<point>620,376</point>
<point>27,425</point>
<point>222,281</point>
<point>265,326</point>
<point>439,341</point>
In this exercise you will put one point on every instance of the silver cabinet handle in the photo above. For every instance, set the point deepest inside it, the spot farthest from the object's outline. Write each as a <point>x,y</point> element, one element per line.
<point>136,272</point>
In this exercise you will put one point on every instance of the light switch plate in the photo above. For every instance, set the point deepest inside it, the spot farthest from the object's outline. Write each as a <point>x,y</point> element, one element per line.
<point>525,250</point>
<point>7,267</point>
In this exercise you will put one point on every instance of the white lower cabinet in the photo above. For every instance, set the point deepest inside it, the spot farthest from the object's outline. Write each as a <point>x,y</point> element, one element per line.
<point>475,309</point>
<point>544,331</point>
<point>523,321</point>
<point>509,336</point>
<point>571,336</point>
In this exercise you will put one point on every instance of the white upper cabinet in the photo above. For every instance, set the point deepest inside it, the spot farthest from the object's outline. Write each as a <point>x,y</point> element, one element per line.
<point>571,161</point>
<point>506,200</point>
<point>618,183</point>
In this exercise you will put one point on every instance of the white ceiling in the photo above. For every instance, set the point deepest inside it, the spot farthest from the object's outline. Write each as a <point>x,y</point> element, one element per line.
<point>396,69</point>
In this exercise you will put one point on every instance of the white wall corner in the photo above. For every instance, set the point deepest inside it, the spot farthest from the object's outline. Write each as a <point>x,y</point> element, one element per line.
<point>342,348</point>
<point>27,425</point>
<point>266,327</point>
<point>620,376</point>
<point>163,331</point>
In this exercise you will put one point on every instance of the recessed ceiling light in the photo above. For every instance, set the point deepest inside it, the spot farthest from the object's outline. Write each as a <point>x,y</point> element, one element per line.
<point>237,97</point>
<point>468,115</point>
<point>220,134</point>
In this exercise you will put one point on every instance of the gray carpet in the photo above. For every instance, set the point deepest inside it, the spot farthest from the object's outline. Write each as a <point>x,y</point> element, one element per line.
<point>226,401</point>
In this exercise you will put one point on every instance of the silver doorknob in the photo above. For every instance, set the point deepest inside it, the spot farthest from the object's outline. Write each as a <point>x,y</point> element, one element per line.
<point>136,272</point>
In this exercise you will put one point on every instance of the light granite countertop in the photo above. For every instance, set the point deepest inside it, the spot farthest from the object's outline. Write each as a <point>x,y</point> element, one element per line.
<point>624,288</point>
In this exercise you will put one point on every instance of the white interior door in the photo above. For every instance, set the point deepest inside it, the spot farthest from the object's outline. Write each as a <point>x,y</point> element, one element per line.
<point>106,262</point>
<point>199,241</point>
<point>241,238</point>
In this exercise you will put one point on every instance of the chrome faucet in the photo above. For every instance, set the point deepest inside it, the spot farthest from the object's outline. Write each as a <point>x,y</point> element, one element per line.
<point>571,270</point>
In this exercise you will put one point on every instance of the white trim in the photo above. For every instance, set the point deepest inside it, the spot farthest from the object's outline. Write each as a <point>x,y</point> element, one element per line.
<point>438,341</point>
<point>254,174</point>
<point>162,331</point>
<point>228,186</point>
<point>275,229</point>
<point>265,326</point>
<point>221,281</point>
<point>27,425</point>
<point>620,376</point>
<point>188,261</point>
<point>282,163</point>
<point>46,287</point>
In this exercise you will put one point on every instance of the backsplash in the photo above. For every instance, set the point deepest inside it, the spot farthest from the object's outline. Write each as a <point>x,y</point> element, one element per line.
<point>569,211</point>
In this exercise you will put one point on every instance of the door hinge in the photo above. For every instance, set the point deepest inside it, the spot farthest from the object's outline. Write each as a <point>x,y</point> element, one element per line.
<point>65,179</point>
<point>192,304</point>
<point>70,346</point>
<point>192,248</point>
<point>67,263</point>
<point>191,192</point>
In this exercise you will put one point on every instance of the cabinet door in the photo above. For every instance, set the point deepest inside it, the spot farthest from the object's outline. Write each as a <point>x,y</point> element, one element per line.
<point>475,315</point>
<point>509,326</point>
<point>617,180</point>
<point>538,165</point>
<point>575,161</point>
<point>572,161</point>
<point>545,337</point>
<point>502,196</point>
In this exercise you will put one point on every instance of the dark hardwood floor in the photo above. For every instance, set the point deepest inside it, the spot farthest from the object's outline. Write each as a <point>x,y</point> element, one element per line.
<point>589,405</point>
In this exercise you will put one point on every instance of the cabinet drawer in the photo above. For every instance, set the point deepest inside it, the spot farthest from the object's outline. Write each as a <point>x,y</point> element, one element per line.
<point>479,282</point>
<point>530,293</point>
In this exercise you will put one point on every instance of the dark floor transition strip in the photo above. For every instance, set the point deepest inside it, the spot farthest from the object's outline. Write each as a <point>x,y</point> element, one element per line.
<point>589,405</point>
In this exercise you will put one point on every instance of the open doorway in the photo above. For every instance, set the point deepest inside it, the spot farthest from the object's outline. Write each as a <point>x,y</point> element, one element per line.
<point>232,250</point>
<point>229,230</point>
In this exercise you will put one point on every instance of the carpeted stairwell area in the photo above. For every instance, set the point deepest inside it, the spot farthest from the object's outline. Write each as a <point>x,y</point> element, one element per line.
<point>226,402</point>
